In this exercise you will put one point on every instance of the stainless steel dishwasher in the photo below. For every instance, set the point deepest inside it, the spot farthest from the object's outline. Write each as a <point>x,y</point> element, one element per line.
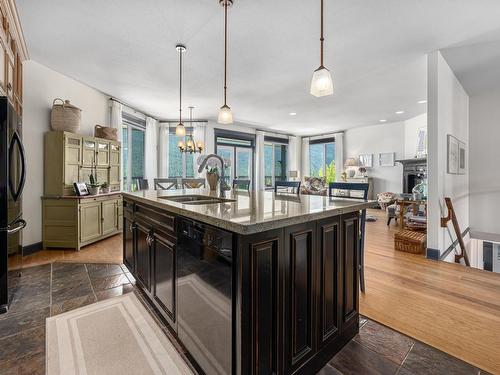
<point>204,269</point>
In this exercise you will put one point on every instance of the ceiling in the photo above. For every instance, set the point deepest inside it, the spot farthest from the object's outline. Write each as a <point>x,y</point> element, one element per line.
<point>376,51</point>
<point>476,63</point>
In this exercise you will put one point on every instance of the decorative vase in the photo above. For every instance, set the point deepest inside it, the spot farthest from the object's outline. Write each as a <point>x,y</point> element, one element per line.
<point>350,173</point>
<point>93,190</point>
<point>212,179</point>
<point>106,190</point>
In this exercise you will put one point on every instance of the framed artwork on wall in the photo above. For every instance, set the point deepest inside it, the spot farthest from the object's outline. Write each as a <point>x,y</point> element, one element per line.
<point>461,158</point>
<point>386,159</point>
<point>366,160</point>
<point>453,155</point>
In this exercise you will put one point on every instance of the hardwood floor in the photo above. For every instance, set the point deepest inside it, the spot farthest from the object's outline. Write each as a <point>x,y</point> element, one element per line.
<point>447,306</point>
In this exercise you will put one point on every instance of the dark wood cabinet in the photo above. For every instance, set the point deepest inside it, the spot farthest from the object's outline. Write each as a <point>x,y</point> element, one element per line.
<point>143,255</point>
<point>329,279</point>
<point>350,281</point>
<point>299,265</point>
<point>294,289</point>
<point>164,253</point>
<point>128,244</point>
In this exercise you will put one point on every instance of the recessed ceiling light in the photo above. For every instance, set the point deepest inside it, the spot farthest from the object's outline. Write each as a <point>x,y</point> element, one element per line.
<point>383,120</point>
<point>422,101</point>
<point>400,112</point>
<point>293,113</point>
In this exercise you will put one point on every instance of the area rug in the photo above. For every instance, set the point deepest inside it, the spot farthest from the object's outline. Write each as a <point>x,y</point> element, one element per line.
<point>113,337</point>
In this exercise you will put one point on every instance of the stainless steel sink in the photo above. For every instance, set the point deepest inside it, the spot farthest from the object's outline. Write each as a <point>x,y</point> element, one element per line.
<point>197,199</point>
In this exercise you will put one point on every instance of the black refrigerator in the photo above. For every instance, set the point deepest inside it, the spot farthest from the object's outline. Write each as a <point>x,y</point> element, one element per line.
<point>12,179</point>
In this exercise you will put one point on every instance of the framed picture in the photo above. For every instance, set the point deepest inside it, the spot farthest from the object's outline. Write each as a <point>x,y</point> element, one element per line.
<point>386,159</point>
<point>453,155</point>
<point>80,189</point>
<point>366,160</point>
<point>461,158</point>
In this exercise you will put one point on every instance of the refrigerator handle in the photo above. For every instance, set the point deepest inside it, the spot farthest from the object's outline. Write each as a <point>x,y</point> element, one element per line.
<point>17,192</point>
<point>15,227</point>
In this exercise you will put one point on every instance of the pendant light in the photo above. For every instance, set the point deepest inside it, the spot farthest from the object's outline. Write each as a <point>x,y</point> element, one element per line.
<point>321,84</point>
<point>180,129</point>
<point>225,114</point>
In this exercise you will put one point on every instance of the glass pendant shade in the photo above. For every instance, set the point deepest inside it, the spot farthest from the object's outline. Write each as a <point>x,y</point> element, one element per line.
<point>180,130</point>
<point>321,84</point>
<point>225,115</point>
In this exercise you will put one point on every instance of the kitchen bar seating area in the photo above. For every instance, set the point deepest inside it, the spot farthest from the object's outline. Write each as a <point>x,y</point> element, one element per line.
<point>221,187</point>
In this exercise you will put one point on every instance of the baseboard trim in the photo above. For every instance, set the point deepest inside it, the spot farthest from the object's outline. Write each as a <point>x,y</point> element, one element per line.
<point>433,254</point>
<point>33,248</point>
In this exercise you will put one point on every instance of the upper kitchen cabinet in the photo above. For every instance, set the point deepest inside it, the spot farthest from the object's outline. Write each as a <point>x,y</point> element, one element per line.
<point>71,158</point>
<point>13,53</point>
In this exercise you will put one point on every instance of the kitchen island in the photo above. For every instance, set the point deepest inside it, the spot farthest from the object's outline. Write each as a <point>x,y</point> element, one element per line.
<point>255,283</point>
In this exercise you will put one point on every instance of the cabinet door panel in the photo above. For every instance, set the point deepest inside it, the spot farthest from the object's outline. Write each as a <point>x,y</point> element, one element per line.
<point>109,217</point>
<point>71,161</point>
<point>350,244</point>
<point>264,257</point>
<point>90,221</point>
<point>102,175</point>
<point>299,287</point>
<point>102,154</point>
<point>164,276</point>
<point>143,257</point>
<point>89,152</point>
<point>128,245</point>
<point>85,175</point>
<point>329,279</point>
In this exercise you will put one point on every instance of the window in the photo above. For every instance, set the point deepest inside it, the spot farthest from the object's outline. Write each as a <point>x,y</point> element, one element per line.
<point>133,150</point>
<point>238,149</point>
<point>180,164</point>
<point>322,158</point>
<point>275,155</point>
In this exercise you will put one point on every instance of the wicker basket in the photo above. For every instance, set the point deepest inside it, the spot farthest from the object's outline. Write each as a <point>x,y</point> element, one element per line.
<point>410,241</point>
<point>65,116</point>
<point>106,132</point>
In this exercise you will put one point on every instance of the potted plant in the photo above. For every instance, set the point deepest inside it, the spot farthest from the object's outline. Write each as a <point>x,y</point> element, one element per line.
<point>212,177</point>
<point>105,188</point>
<point>93,186</point>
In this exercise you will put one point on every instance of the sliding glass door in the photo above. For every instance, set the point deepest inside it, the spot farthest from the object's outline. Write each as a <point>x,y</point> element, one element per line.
<point>240,159</point>
<point>274,163</point>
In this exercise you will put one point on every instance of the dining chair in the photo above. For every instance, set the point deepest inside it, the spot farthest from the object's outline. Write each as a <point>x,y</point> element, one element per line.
<point>142,184</point>
<point>241,184</point>
<point>192,183</point>
<point>287,186</point>
<point>165,183</point>
<point>346,187</point>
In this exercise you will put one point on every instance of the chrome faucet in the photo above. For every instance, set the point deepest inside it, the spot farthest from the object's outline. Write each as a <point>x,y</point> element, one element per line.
<point>222,180</point>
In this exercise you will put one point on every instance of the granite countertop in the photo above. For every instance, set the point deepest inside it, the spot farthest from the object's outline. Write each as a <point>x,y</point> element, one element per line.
<point>251,212</point>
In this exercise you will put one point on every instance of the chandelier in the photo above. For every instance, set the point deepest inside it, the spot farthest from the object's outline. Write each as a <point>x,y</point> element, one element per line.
<point>190,146</point>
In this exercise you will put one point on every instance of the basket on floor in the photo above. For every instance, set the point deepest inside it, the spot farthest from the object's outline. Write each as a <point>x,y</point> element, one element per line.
<point>410,241</point>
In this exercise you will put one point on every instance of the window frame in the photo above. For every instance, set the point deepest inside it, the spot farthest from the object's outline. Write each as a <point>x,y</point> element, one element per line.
<point>189,133</point>
<point>131,122</point>
<point>276,142</point>
<point>323,142</point>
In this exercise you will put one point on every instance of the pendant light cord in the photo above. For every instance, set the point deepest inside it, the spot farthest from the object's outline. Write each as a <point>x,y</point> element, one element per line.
<point>225,50</point>
<point>322,39</point>
<point>180,86</point>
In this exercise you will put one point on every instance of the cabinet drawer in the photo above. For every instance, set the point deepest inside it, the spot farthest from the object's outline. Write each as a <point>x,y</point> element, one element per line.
<point>160,219</point>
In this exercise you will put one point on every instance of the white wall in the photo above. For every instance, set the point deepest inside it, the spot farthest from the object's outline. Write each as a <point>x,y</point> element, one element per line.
<point>41,86</point>
<point>377,139</point>
<point>412,127</point>
<point>484,162</point>
<point>448,113</point>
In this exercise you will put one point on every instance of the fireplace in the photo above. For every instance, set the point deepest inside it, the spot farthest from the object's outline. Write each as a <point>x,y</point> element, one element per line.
<point>414,172</point>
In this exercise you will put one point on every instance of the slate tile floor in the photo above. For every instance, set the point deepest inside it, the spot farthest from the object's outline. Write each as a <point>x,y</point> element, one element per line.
<point>55,288</point>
